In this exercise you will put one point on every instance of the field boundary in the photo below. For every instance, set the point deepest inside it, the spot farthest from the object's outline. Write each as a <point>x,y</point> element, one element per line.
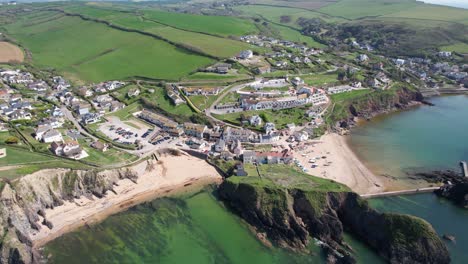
<point>130,30</point>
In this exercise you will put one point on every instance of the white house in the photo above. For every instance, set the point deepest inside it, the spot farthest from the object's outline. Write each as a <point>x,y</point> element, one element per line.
<point>47,134</point>
<point>301,136</point>
<point>255,120</point>
<point>245,54</point>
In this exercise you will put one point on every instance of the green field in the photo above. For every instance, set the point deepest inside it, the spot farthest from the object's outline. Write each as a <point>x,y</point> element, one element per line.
<point>110,54</point>
<point>19,171</point>
<point>149,22</point>
<point>353,9</point>
<point>303,4</point>
<point>295,36</point>
<point>17,156</point>
<point>459,47</point>
<point>350,95</point>
<point>320,79</point>
<point>433,12</point>
<point>274,14</point>
<point>160,99</point>
<point>216,25</point>
<point>287,176</point>
<point>126,112</point>
<point>111,156</point>
<point>214,46</point>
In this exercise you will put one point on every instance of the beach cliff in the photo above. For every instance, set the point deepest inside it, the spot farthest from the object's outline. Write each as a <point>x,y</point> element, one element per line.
<point>23,203</point>
<point>288,217</point>
<point>42,206</point>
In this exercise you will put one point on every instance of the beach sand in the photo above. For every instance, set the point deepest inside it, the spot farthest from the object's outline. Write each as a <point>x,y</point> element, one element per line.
<point>171,175</point>
<point>345,167</point>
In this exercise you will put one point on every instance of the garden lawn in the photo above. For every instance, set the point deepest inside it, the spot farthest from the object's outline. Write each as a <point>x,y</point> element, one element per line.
<point>126,112</point>
<point>320,79</point>
<point>17,156</point>
<point>160,99</point>
<point>350,95</point>
<point>111,156</point>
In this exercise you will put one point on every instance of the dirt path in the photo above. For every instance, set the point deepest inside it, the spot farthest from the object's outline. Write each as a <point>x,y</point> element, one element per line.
<point>10,52</point>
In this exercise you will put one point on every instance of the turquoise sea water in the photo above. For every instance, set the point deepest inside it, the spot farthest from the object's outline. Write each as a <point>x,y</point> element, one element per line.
<point>427,137</point>
<point>198,229</point>
<point>445,217</point>
<point>195,229</point>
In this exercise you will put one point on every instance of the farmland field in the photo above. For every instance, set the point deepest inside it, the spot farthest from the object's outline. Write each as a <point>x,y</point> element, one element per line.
<point>433,12</point>
<point>110,53</point>
<point>208,44</point>
<point>459,47</point>
<point>353,9</point>
<point>10,52</point>
<point>214,46</point>
<point>275,14</point>
<point>310,5</point>
<point>216,25</point>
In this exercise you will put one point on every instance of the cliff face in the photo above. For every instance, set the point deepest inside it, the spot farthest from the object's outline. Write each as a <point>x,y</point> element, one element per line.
<point>289,217</point>
<point>22,204</point>
<point>376,103</point>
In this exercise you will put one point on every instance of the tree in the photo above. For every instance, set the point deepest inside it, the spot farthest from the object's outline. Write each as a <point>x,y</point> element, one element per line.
<point>12,140</point>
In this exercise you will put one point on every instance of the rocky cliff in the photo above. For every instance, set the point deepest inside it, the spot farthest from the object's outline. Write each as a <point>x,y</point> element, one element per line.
<point>290,216</point>
<point>372,104</point>
<point>376,103</point>
<point>22,204</point>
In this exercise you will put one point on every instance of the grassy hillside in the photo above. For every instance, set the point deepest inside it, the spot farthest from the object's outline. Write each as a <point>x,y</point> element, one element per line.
<point>353,9</point>
<point>433,12</point>
<point>304,4</point>
<point>216,25</point>
<point>284,15</point>
<point>94,52</point>
<point>169,27</point>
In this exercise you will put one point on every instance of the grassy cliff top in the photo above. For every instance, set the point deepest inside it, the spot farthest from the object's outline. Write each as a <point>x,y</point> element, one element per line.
<point>285,176</point>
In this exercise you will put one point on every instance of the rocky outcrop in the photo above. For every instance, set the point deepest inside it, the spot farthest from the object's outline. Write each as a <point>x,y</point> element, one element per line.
<point>458,193</point>
<point>22,204</point>
<point>455,186</point>
<point>372,104</point>
<point>376,103</point>
<point>289,216</point>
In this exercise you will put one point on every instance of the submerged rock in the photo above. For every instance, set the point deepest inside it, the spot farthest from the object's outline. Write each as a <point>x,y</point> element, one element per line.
<point>449,237</point>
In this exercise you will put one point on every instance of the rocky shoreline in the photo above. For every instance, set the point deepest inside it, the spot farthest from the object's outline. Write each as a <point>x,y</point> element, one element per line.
<point>46,204</point>
<point>370,106</point>
<point>290,216</point>
<point>455,186</point>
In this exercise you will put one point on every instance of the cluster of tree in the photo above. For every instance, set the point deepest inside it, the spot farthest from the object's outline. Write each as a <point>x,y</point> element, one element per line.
<point>391,39</point>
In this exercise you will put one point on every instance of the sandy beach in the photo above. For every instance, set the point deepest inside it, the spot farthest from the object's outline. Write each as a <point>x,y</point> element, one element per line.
<point>170,175</point>
<point>340,164</point>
